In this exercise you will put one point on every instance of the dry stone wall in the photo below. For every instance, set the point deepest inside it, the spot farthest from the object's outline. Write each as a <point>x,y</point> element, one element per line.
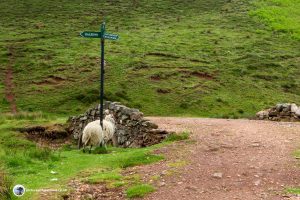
<point>133,130</point>
<point>280,112</point>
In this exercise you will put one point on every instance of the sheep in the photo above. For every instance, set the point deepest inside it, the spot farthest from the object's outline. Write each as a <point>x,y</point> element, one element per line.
<point>109,128</point>
<point>92,135</point>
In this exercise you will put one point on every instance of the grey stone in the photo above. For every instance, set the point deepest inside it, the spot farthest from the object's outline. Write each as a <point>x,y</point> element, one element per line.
<point>279,107</point>
<point>124,117</point>
<point>218,175</point>
<point>297,112</point>
<point>294,108</point>
<point>135,116</point>
<point>281,112</point>
<point>262,114</point>
<point>83,118</point>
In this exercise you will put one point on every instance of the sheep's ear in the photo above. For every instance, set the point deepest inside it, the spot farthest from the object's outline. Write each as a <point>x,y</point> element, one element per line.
<point>106,112</point>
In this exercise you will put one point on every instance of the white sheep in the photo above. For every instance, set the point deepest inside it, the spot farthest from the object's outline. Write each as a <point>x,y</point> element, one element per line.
<point>109,128</point>
<point>92,135</point>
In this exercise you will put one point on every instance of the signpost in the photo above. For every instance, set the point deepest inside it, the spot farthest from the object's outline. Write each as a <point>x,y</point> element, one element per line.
<point>102,35</point>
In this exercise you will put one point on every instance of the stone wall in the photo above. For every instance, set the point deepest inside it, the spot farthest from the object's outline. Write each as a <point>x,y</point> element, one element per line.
<point>280,112</point>
<point>133,130</point>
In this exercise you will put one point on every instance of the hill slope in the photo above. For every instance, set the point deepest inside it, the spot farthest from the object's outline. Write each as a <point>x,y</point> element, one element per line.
<point>196,58</point>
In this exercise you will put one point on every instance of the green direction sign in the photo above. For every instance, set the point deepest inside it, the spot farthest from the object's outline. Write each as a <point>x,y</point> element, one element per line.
<point>89,34</point>
<point>110,36</point>
<point>103,35</point>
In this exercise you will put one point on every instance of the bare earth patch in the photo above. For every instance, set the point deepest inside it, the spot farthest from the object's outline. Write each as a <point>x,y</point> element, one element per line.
<point>224,159</point>
<point>230,159</point>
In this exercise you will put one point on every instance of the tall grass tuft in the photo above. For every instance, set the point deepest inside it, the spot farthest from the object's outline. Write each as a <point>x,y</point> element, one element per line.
<point>5,186</point>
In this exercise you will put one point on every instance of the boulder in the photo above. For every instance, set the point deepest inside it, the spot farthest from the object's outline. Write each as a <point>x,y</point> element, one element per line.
<point>294,108</point>
<point>297,112</point>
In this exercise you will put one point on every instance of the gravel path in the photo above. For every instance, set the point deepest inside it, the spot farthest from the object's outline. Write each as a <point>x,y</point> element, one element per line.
<point>229,159</point>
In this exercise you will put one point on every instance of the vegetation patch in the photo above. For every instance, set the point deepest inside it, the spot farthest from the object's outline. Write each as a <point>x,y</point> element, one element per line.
<point>177,137</point>
<point>297,154</point>
<point>282,16</point>
<point>37,167</point>
<point>293,190</point>
<point>104,177</point>
<point>139,190</point>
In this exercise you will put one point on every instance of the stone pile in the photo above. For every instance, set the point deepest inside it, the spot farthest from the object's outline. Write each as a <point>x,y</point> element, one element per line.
<point>133,130</point>
<point>280,112</point>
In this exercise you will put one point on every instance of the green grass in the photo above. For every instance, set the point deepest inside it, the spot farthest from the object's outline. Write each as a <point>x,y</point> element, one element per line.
<point>297,154</point>
<point>200,58</point>
<point>293,190</point>
<point>177,137</point>
<point>31,166</point>
<point>104,176</point>
<point>280,15</point>
<point>139,190</point>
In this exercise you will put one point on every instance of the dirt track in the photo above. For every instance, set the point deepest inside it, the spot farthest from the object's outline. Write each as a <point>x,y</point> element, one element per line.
<point>8,83</point>
<point>252,159</point>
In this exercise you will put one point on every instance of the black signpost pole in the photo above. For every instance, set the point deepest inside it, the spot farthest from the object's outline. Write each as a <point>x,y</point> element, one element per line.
<point>103,35</point>
<point>102,74</point>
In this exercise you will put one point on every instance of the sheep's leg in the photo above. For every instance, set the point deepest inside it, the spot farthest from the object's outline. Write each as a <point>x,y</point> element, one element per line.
<point>90,151</point>
<point>83,150</point>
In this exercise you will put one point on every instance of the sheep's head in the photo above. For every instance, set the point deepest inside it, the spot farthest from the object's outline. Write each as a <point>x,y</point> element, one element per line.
<point>110,118</point>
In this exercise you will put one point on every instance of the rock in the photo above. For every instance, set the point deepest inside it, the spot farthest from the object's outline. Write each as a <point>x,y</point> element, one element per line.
<point>135,116</point>
<point>161,184</point>
<point>297,112</point>
<point>273,113</point>
<point>286,107</point>
<point>124,117</point>
<point>191,188</point>
<point>83,118</point>
<point>262,114</point>
<point>257,183</point>
<point>294,108</point>
<point>218,175</point>
<point>255,144</point>
<point>88,196</point>
<point>279,107</point>
<point>280,112</point>
<point>150,125</point>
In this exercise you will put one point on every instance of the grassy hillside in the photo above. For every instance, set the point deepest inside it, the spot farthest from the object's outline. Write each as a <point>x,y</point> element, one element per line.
<point>198,58</point>
<point>281,15</point>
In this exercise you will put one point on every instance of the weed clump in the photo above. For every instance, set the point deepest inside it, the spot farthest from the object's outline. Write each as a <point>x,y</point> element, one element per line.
<point>177,137</point>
